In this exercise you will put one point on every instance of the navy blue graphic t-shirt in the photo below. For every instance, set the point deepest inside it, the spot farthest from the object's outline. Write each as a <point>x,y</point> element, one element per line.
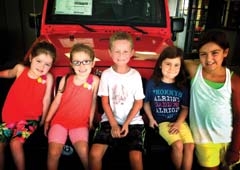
<point>165,100</point>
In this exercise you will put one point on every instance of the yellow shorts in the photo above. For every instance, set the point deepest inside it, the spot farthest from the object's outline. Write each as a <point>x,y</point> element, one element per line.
<point>211,154</point>
<point>184,134</point>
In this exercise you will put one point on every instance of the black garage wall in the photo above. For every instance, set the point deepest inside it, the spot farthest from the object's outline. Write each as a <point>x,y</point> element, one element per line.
<point>16,35</point>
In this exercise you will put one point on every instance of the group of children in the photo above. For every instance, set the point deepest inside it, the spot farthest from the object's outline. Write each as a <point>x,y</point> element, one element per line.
<point>206,91</point>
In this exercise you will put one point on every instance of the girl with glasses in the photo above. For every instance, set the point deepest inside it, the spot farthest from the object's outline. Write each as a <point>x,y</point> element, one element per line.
<point>72,110</point>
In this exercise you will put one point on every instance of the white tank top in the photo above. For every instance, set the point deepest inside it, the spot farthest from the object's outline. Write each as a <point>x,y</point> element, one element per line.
<point>210,110</point>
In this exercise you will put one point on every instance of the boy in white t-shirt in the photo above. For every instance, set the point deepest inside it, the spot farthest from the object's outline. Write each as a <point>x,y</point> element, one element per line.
<point>122,97</point>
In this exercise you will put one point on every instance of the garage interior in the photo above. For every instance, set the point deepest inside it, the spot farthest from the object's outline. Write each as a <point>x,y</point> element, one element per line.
<point>199,15</point>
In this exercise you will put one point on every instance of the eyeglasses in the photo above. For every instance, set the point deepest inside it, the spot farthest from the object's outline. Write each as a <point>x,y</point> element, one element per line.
<point>84,62</point>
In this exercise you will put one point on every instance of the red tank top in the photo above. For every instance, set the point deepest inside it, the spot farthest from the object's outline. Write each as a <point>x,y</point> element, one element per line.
<point>75,105</point>
<point>24,100</point>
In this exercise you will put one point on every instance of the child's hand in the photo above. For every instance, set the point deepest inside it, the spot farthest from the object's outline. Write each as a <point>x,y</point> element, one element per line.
<point>153,123</point>
<point>116,131</point>
<point>41,122</point>
<point>46,128</point>
<point>124,131</point>
<point>91,126</point>
<point>173,128</point>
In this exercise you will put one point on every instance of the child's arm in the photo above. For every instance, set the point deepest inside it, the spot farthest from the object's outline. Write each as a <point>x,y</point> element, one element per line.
<point>234,148</point>
<point>148,112</point>
<point>107,109</point>
<point>94,100</point>
<point>137,105</point>
<point>191,66</point>
<point>183,115</point>
<point>47,97</point>
<point>175,126</point>
<point>54,106</point>
<point>13,72</point>
<point>115,128</point>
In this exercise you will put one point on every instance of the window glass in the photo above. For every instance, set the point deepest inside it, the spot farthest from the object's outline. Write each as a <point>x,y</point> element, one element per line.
<point>117,12</point>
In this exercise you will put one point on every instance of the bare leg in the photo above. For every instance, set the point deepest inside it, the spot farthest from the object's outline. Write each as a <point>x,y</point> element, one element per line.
<point>2,154</point>
<point>177,154</point>
<point>81,148</point>
<point>136,160</point>
<point>188,156</point>
<point>96,154</point>
<point>18,153</point>
<point>54,153</point>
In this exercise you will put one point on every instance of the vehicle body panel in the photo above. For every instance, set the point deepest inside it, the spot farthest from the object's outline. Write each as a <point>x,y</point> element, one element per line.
<point>63,31</point>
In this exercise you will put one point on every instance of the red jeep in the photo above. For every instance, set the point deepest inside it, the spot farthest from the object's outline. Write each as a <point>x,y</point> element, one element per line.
<point>92,22</point>
<point>65,22</point>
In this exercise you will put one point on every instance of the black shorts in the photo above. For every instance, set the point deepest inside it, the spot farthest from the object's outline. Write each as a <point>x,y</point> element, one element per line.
<point>133,141</point>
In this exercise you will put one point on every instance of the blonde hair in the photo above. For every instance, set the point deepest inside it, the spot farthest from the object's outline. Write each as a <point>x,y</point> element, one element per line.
<point>120,36</point>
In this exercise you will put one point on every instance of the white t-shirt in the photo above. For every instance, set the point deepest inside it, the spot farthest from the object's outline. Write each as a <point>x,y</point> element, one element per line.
<point>122,90</point>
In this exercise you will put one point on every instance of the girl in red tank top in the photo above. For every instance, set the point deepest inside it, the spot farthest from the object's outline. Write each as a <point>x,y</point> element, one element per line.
<point>72,110</point>
<point>27,101</point>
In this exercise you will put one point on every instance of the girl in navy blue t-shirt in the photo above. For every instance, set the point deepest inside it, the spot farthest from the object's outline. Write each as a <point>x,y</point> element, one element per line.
<point>166,105</point>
